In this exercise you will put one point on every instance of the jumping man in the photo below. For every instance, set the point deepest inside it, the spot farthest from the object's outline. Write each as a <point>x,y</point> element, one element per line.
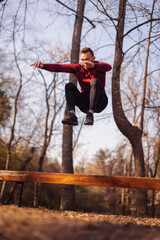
<point>91,77</point>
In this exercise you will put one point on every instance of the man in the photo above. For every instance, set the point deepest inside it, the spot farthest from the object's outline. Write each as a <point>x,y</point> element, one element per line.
<point>91,77</point>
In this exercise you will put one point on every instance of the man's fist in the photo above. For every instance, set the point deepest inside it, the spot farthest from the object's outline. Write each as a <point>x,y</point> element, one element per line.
<point>37,64</point>
<point>87,64</point>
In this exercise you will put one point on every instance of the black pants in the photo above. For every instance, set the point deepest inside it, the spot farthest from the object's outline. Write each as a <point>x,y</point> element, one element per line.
<point>96,99</point>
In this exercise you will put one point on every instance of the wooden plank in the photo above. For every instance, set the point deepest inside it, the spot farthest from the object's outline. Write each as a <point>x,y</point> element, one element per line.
<point>89,180</point>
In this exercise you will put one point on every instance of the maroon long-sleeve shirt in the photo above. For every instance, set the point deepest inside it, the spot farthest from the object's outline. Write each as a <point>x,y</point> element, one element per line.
<point>84,76</point>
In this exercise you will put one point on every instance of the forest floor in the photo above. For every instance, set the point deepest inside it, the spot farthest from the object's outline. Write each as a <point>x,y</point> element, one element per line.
<point>41,224</point>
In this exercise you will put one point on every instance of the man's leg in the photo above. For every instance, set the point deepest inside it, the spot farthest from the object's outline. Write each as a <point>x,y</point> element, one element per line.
<point>98,101</point>
<point>70,92</point>
<point>75,98</point>
<point>95,91</point>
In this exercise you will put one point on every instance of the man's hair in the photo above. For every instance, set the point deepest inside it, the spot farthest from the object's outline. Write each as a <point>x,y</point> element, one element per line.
<point>87,49</point>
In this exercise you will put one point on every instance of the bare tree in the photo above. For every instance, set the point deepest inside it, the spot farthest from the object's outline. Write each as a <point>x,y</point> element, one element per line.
<point>68,192</point>
<point>12,129</point>
<point>133,133</point>
<point>146,67</point>
<point>50,93</point>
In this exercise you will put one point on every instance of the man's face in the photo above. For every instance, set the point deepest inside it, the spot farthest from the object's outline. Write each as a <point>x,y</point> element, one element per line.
<point>87,57</point>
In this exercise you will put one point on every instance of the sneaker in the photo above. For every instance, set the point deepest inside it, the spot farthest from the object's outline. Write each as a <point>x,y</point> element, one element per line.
<point>89,119</point>
<point>71,120</point>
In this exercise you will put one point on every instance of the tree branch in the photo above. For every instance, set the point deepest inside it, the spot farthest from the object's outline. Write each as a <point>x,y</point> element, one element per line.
<point>141,24</point>
<point>137,43</point>
<point>90,21</point>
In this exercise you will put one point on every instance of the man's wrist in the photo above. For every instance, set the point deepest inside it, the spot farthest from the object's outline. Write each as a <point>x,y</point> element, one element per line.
<point>91,65</point>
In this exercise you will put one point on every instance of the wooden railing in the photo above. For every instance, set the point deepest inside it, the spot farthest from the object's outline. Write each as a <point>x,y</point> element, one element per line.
<point>75,179</point>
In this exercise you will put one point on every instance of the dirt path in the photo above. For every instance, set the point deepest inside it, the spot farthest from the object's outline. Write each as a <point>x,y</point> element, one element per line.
<point>35,224</point>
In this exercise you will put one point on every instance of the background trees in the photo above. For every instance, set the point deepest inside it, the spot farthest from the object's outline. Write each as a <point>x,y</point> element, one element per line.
<point>30,99</point>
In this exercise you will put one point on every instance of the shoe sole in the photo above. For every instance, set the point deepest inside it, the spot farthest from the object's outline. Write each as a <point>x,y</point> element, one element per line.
<point>88,123</point>
<point>69,123</point>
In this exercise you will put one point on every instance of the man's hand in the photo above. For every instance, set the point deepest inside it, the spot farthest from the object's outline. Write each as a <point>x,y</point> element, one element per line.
<point>37,64</point>
<point>87,64</point>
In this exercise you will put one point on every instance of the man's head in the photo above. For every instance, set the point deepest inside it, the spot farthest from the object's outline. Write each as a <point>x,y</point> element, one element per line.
<point>87,55</point>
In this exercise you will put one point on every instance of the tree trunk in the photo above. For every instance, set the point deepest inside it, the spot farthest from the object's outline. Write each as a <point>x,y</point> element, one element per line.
<point>134,134</point>
<point>68,192</point>
<point>8,162</point>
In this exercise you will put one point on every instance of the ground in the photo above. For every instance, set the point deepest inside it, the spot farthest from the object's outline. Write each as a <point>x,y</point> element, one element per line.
<point>40,224</point>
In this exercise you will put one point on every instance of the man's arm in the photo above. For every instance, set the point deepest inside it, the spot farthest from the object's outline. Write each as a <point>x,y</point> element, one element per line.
<point>103,67</point>
<point>69,68</point>
<point>38,64</point>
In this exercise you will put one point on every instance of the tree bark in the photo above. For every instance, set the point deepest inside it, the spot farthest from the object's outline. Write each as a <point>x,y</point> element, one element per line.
<point>133,133</point>
<point>68,192</point>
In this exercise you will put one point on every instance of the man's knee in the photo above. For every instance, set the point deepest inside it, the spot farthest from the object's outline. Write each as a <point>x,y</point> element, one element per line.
<point>94,82</point>
<point>69,86</point>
